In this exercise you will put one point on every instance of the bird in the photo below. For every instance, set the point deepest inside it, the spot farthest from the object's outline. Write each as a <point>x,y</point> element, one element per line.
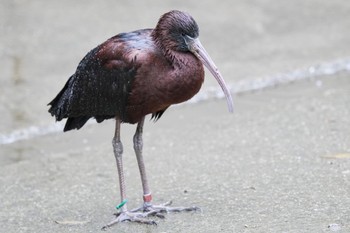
<point>132,75</point>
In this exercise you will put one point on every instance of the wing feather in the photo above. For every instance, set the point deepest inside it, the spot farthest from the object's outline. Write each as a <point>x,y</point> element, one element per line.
<point>99,88</point>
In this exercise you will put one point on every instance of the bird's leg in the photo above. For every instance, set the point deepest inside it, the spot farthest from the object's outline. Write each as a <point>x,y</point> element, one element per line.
<point>123,214</point>
<point>118,153</point>
<point>148,208</point>
<point>138,145</point>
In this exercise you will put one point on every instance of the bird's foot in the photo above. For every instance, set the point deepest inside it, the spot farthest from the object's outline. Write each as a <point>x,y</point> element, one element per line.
<point>139,215</point>
<point>163,208</point>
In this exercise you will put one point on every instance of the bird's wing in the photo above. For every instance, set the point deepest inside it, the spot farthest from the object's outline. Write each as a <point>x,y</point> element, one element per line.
<point>100,86</point>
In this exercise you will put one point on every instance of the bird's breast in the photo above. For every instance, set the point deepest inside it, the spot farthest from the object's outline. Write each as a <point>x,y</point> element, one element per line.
<point>161,83</point>
<point>182,83</point>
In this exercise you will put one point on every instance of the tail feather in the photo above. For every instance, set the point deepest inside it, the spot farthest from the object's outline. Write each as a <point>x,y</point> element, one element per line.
<point>60,109</point>
<point>59,105</point>
<point>75,123</point>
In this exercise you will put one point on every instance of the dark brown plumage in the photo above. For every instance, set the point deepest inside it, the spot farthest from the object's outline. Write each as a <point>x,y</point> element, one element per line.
<point>132,75</point>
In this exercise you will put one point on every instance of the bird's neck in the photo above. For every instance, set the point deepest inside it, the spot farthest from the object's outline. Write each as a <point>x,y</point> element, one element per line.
<point>165,46</point>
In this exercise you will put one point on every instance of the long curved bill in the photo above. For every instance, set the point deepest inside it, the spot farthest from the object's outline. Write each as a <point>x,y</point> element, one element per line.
<point>195,46</point>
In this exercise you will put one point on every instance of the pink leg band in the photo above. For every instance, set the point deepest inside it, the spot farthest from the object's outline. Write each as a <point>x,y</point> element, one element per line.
<point>147,198</point>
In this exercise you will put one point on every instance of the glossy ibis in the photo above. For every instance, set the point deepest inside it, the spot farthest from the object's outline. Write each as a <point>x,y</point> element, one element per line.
<point>130,76</point>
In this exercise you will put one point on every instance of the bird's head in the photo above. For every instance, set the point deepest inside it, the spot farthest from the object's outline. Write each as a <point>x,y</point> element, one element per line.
<point>177,31</point>
<point>174,29</point>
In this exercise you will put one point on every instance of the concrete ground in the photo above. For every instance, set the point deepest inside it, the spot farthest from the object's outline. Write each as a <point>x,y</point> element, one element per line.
<point>280,163</point>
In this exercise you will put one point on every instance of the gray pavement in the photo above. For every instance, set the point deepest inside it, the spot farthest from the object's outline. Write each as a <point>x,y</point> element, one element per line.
<point>280,163</point>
